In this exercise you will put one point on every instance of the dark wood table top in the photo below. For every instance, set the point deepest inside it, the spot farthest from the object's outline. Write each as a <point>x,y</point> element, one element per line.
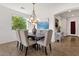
<point>36,36</point>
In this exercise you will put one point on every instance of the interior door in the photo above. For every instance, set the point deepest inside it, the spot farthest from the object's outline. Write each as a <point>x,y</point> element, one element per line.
<point>73,28</point>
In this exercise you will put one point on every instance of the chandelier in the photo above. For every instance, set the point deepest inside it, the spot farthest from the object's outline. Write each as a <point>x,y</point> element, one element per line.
<point>33,17</point>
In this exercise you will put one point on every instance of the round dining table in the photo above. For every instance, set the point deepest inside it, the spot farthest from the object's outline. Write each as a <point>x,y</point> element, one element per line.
<point>36,37</point>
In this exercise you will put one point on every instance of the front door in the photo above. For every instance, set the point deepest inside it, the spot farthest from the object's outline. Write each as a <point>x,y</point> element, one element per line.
<point>73,28</point>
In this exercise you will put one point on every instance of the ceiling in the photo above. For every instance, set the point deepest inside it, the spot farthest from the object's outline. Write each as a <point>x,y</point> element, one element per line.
<point>69,13</point>
<point>28,6</point>
<point>41,9</point>
<point>45,9</point>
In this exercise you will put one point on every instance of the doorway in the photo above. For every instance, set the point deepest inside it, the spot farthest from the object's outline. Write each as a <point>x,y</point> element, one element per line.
<point>73,28</point>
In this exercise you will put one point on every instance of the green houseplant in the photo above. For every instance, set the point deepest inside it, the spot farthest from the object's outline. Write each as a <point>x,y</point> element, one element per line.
<point>18,23</point>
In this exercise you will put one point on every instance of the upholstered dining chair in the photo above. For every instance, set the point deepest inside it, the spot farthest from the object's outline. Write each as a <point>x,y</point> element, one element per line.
<point>46,41</point>
<point>58,36</point>
<point>18,39</point>
<point>41,31</point>
<point>25,41</point>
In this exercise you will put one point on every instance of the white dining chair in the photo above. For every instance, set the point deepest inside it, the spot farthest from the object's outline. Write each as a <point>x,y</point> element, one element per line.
<point>41,31</point>
<point>25,41</point>
<point>46,41</point>
<point>18,39</point>
<point>58,36</point>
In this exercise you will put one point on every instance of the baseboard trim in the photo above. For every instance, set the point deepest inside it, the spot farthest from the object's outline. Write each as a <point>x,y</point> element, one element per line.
<point>71,36</point>
<point>4,42</point>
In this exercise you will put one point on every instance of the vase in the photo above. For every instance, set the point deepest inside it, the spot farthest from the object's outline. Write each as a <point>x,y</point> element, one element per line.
<point>34,30</point>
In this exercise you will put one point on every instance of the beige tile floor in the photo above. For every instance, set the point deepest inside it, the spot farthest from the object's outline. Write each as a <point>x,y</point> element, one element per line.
<point>68,47</point>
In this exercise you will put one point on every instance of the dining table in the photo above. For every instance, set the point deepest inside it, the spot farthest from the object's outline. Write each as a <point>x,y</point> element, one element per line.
<point>36,37</point>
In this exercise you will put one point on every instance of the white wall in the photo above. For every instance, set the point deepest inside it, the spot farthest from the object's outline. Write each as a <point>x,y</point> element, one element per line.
<point>77,26</point>
<point>63,26</point>
<point>6,33</point>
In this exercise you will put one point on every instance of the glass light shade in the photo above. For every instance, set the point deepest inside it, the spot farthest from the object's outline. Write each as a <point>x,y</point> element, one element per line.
<point>31,18</point>
<point>34,21</point>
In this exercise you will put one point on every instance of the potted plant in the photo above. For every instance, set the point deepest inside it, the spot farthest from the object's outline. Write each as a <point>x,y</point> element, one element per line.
<point>18,23</point>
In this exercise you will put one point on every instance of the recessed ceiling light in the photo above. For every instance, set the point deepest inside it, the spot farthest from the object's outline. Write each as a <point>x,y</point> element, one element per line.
<point>22,7</point>
<point>69,10</point>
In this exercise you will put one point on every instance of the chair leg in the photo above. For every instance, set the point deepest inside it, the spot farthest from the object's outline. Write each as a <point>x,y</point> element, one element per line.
<point>21,47</point>
<point>42,47</point>
<point>46,51</point>
<point>50,47</point>
<point>17,44</point>
<point>38,46</point>
<point>26,51</point>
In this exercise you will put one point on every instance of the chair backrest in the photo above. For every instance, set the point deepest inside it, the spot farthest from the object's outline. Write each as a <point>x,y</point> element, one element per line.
<point>18,35</point>
<point>42,31</point>
<point>58,35</point>
<point>48,37</point>
<point>24,40</point>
